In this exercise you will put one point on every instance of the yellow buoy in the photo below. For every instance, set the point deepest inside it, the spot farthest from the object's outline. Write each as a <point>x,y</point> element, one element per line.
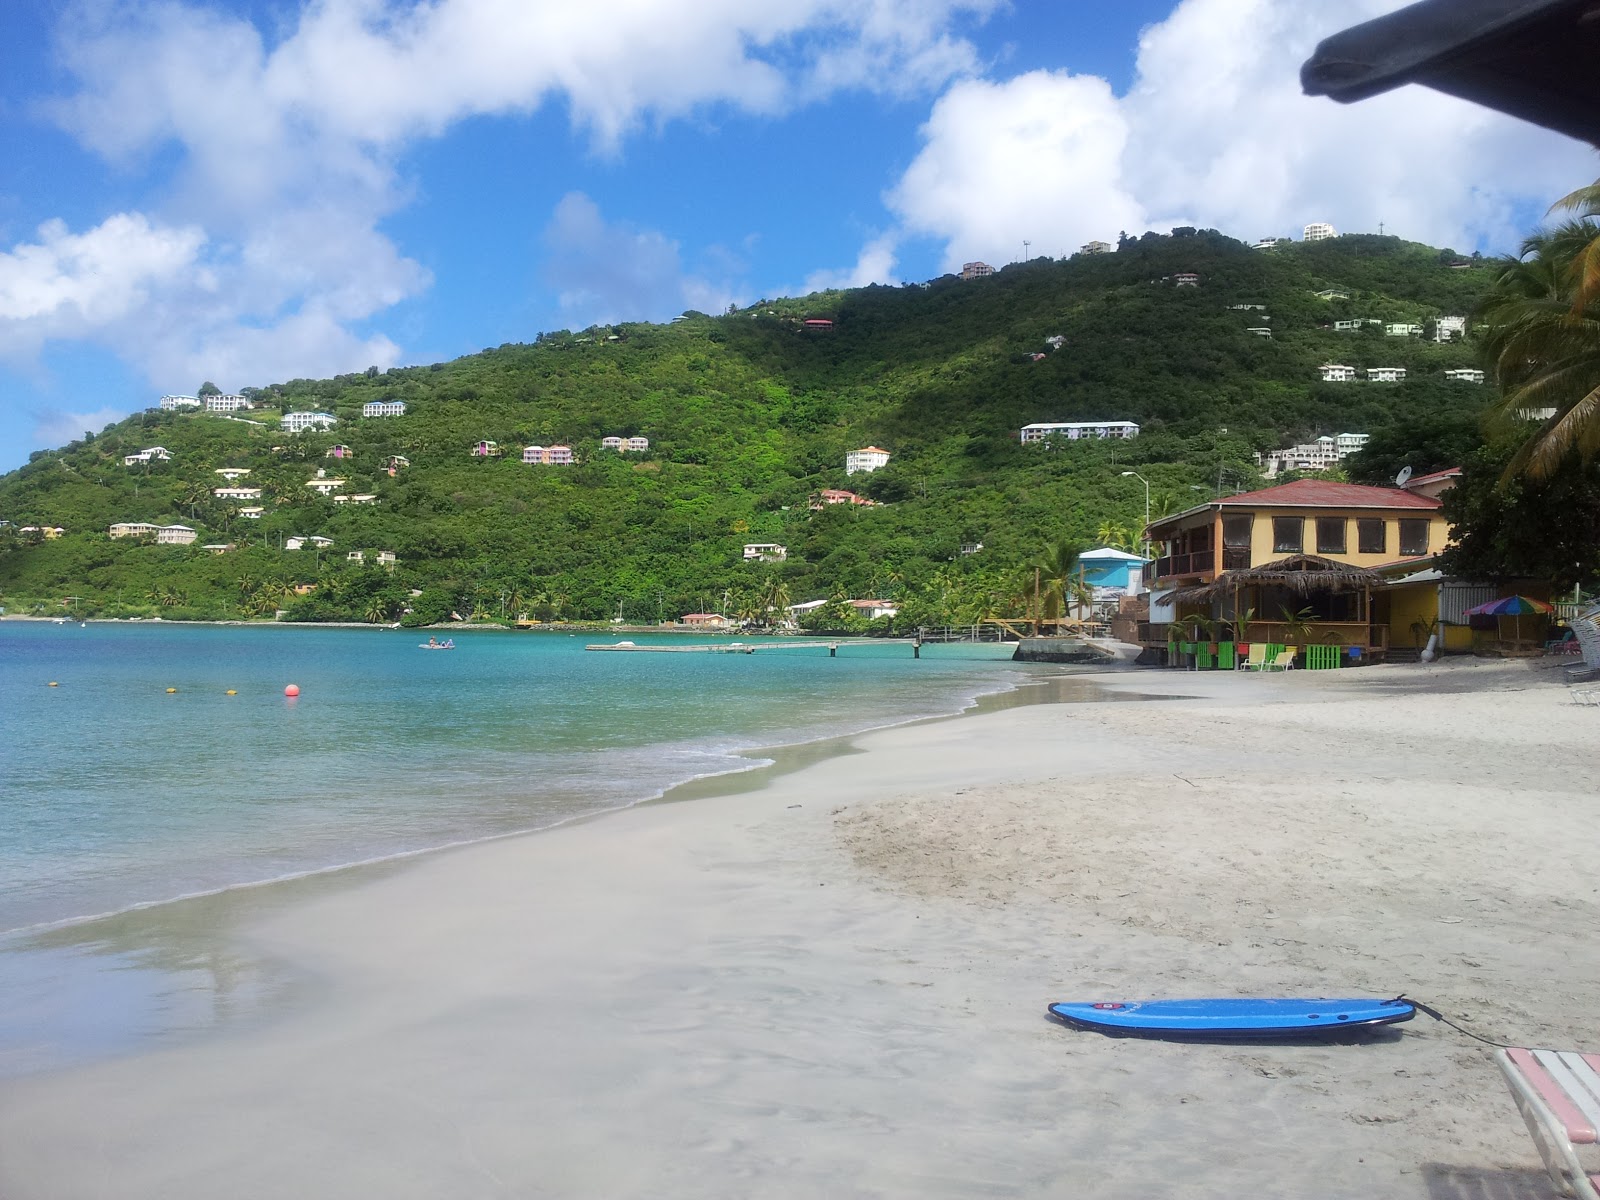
<point>171,690</point>
<point>231,692</point>
<point>53,683</point>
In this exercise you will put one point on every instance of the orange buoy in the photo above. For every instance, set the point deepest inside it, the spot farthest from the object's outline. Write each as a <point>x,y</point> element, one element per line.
<point>292,690</point>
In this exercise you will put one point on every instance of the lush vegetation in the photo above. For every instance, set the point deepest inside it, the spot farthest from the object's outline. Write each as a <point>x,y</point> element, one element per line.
<point>748,415</point>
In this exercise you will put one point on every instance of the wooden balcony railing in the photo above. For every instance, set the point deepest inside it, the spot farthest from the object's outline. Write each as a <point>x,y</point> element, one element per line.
<point>1202,563</point>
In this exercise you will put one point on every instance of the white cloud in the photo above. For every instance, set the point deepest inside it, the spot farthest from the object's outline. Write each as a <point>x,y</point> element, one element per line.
<point>52,427</point>
<point>66,283</point>
<point>875,264</point>
<point>1215,132</point>
<point>1222,135</point>
<point>605,272</point>
<point>1035,158</point>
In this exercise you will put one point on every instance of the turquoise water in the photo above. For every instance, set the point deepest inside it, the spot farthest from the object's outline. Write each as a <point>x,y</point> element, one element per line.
<point>116,793</point>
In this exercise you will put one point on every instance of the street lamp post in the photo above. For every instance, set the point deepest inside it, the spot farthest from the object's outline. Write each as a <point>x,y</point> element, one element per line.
<point>1144,534</point>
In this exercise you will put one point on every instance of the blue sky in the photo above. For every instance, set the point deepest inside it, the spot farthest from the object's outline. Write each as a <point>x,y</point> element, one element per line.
<point>250,192</point>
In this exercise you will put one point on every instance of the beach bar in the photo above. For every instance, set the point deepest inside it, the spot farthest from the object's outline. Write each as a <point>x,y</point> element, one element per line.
<point>1292,566</point>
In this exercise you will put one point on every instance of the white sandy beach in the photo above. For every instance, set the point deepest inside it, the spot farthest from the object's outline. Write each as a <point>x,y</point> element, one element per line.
<point>834,986</point>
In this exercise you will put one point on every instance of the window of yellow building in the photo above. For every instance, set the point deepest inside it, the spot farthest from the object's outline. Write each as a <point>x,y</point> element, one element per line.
<point>1413,537</point>
<point>1330,535</point>
<point>1372,536</point>
<point>1288,535</point>
<point>1236,532</point>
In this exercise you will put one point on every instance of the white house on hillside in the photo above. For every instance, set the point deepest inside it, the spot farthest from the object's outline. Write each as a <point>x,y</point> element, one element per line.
<point>226,404</point>
<point>868,459</point>
<point>299,422</point>
<point>1073,431</point>
<point>179,403</point>
<point>1402,329</point>
<point>153,454</point>
<point>1319,231</point>
<point>236,493</point>
<point>384,408</point>
<point>765,552</point>
<point>1337,373</point>
<point>1465,375</point>
<point>1446,328</point>
<point>1386,374</point>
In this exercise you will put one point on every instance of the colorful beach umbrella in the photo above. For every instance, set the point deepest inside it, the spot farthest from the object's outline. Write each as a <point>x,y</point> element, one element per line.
<point>1511,606</point>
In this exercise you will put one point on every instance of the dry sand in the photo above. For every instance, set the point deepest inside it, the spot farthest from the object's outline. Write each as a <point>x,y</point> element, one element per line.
<point>833,986</point>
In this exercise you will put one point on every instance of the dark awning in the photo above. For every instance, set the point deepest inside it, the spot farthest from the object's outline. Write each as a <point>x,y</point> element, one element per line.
<point>1534,59</point>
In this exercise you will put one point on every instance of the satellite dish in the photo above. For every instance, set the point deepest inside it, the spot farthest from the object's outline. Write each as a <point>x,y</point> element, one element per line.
<point>1403,478</point>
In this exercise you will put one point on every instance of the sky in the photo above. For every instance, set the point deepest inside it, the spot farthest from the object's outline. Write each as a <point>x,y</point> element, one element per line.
<point>250,191</point>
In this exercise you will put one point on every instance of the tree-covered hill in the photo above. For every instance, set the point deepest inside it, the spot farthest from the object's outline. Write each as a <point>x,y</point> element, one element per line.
<point>749,414</point>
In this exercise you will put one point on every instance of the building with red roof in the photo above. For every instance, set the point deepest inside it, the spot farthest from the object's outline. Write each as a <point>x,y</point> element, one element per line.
<point>1310,525</point>
<point>1350,523</point>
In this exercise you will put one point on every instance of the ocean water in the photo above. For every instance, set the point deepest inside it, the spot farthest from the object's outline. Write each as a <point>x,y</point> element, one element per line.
<point>116,793</point>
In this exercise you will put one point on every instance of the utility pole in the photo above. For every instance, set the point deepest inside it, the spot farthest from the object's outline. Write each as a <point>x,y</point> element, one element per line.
<point>1025,244</point>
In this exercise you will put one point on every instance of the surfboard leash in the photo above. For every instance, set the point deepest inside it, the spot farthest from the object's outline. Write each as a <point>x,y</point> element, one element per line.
<point>1439,1016</point>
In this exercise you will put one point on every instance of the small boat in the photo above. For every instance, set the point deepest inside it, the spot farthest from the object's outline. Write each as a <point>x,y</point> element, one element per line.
<point>1234,1018</point>
<point>430,644</point>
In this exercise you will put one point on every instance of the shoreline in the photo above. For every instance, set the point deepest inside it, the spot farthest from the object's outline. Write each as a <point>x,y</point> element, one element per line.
<point>779,758</point>
<point>750,984</point>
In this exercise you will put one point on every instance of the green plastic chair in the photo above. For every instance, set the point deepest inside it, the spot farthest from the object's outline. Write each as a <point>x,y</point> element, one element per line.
<point>1227,658</point>
<point>1203,660</point>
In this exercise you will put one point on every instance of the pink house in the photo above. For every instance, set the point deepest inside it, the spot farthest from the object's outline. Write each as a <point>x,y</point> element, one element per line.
<point>339,451</point>
<point>486,450</point>
<point>549,456</point>
<point>838,496</point>
<point>705,620</point>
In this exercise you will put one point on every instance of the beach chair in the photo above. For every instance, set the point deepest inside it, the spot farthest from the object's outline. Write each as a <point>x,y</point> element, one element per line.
<point>1257,656</point>
<point>1558,1094</point>
<point>1283,660</point>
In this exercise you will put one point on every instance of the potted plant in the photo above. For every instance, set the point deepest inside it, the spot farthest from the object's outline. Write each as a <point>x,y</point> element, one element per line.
<point>1205,630</point>
<point>1241,629</point>
<point>1297,627</point>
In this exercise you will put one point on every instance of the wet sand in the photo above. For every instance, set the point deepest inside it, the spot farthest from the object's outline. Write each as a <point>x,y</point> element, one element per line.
<point>834,984</point>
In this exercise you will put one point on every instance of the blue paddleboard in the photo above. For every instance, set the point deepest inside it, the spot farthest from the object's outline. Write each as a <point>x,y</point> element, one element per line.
<point>1246,1018</point>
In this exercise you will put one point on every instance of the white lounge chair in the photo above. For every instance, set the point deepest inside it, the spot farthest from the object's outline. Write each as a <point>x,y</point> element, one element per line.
<point>1558,1094</point>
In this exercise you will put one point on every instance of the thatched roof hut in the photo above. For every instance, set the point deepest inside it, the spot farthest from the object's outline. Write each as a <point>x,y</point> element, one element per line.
<point>1301,574</point>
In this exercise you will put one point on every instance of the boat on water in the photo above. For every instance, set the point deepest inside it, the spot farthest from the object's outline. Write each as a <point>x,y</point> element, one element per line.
<point>436,644</point>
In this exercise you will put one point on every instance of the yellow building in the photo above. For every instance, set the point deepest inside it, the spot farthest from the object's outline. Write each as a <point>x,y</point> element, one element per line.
<point>1297,562</point>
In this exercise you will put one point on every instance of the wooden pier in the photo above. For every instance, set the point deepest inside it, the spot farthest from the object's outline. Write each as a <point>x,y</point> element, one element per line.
<point>749,648</point>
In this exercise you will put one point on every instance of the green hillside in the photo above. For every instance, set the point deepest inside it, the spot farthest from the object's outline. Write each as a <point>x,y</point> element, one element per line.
<point>748,414</point>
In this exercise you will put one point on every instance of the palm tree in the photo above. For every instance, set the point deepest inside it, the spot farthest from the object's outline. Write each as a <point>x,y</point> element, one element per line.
<point>1054,574</point>
<point>1541,337</point>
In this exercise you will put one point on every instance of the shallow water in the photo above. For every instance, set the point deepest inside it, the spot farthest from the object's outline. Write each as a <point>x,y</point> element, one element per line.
<point>120,797</point>
<point>118,792</point>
